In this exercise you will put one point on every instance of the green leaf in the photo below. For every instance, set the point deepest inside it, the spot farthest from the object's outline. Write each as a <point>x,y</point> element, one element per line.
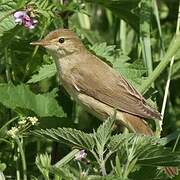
<point>61,168</point>
<point>2,166</point>
<point>20,96</point>
<point>117,140</point>
<point>42,161</point>
<point>46,71</point>
<point>7,21</point>
<point>104,131</point>
<point>103,50</point>
<point>69,136</point>
<point>161,157</point>
<point>63,173</point>
<point>148,151</point>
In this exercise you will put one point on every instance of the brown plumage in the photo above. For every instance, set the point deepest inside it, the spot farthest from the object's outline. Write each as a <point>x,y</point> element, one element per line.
<point>109,87</point>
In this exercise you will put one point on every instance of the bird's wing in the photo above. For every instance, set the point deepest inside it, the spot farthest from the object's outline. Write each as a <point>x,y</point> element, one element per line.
<point>101,82</point>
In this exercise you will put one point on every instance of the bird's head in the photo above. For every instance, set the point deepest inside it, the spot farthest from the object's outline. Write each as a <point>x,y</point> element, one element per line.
<point>61,42</point>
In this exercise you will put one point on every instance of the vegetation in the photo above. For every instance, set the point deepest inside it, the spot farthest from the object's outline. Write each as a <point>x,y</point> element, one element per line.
<point>43,133</point>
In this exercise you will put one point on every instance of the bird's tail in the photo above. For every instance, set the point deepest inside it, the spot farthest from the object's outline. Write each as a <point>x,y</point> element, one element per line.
<point>137,124</point>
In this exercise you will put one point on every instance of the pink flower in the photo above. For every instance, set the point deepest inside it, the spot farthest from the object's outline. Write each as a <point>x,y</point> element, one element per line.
<point>22,17</point>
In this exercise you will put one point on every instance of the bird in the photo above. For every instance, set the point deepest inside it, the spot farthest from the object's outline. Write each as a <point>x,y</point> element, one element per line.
<point>96,86</point>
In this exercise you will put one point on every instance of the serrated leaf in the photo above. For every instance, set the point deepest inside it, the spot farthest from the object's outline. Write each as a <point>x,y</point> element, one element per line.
<point>69,136</point>
<point>117,140</point>
<point>7,21</point>
<point>20,96</point>
<point>102,50</point>
<point>149,151</point>
<point>104,131</point>
<point>46,71</point>
<point>161,157</point>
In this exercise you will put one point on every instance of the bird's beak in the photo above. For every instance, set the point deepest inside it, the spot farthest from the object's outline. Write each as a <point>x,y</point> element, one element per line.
<point>40,43</point>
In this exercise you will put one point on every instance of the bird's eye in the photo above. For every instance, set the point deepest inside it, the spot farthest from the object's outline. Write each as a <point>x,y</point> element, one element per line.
<point>61,40</point>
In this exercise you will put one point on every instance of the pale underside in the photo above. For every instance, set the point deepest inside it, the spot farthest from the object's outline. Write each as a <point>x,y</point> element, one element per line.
<point>103,111</point>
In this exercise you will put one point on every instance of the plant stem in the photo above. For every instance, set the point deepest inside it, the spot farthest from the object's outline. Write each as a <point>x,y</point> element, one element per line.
<point>166,90</point>
<point>175,145</point>
<point>100,160</point>
<point>108,155</point>
<point>156,13</point>
<point>101,152</point>
<point>18,175</point>
<point>7,63</point>
<point>67,158</point>
<point>172,49</point>
<point>9,122</point>
<point>145,21</point>
<point>102,164</point>
<point>22,158</point>
<point>122,36</point>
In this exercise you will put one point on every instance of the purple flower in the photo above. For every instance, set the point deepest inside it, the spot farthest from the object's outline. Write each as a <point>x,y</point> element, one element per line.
<point>81,155</point>
<point>22,17</point>
<point>19,15</point>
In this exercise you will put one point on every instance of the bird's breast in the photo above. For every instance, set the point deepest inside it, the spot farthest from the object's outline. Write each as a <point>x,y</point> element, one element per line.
<point>64,68</point>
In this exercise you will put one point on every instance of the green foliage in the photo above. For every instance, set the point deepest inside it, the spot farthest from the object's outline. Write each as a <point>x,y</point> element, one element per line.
<point>133,37</point>
<point>104,131</point>
<point>68,135</point>
<point>6,19</point>
<point>20,96</point>
<point>2,166</point>
<point>43,161</point>
<point>123,9</point>
<point>46,71</point>
<point>131,149</point>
